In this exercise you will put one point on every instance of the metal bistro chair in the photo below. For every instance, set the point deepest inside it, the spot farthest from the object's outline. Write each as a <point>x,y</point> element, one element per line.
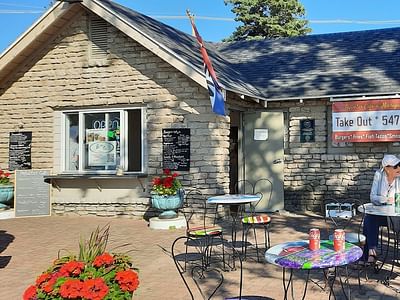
<point>340,214</point>
<point>201,280</point>
<point>394,230</point>
<point>253,220</point>
<point>204,232</point>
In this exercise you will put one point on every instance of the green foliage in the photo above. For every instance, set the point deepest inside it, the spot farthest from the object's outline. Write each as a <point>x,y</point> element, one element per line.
<point>4,177</point>
<point>268,19</point>
<point>96,274</point>
<point>95,245</point>
<point>166,184</point>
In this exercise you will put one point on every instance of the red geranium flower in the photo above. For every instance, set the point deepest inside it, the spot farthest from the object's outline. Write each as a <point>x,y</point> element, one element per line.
<point>30,293</point>
<point>94,289</point>
<point>166,184</point>
<point>72,268</point>
<point>43,278</point>
<point>103,260</point>
<point>128,280</point>
<point>71,289</point>
<point>156,180</point>
<point>48,286</point>
<point>4,177</point>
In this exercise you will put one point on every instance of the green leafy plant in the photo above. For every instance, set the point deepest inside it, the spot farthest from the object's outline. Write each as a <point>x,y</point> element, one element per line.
<point>166,184</point>
<point>4,177</point>
<point>95,245</point>
<point>94,275</point>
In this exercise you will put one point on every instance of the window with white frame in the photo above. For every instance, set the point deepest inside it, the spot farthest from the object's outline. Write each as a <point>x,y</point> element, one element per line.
<point>102,141</point>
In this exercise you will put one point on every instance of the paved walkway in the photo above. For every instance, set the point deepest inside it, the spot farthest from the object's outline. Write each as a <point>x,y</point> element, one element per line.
<point>29,245</point>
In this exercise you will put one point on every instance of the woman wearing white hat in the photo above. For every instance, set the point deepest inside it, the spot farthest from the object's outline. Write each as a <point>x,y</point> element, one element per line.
<point>386,183</point>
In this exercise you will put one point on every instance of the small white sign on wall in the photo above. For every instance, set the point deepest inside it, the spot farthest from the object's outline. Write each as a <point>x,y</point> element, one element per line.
<point>260,134</point>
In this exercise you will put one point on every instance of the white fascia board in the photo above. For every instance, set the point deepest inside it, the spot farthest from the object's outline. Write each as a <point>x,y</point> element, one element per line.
<point>53,13</point>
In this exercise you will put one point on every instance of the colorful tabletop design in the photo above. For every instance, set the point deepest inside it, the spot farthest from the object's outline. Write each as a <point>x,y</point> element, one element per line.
<point>296,255</point>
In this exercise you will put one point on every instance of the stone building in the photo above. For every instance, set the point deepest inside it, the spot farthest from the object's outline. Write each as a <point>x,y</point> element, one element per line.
<point>92,65</point>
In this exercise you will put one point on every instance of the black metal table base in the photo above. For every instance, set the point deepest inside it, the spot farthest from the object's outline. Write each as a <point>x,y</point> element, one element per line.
<point>396,251</point>
<point>330,279</point>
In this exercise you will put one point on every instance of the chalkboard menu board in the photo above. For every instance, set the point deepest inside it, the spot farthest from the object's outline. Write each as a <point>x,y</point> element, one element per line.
<point>176,149</point>
<point>32,194</point>
<point>20,150</point>
<point>307,131</point>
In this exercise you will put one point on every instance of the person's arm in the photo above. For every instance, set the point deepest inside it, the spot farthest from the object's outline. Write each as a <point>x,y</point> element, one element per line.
<point>375,198</point>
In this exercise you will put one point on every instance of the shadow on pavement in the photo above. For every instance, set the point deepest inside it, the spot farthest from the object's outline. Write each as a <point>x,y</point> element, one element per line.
<point>5,240</point>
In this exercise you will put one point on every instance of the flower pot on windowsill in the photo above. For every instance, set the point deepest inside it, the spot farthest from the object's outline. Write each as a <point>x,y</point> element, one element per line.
<point>168,204</point>
<point>6,195</point>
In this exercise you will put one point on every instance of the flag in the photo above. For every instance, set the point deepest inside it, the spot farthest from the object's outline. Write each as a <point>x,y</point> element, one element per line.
<point>215,91</point>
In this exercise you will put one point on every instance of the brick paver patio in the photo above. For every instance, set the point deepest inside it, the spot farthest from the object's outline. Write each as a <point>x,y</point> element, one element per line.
<point>29,245</point>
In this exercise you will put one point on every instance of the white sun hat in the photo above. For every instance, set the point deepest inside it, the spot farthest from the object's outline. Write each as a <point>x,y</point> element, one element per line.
<point>390,160</point>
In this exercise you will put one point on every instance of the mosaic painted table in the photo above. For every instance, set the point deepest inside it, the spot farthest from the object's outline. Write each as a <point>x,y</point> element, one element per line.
<point>296,255</point>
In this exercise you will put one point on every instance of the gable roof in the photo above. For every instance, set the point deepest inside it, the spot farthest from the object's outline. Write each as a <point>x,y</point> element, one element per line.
<point>314,66</point>
<point>339,64</point>
<point>182,45</point>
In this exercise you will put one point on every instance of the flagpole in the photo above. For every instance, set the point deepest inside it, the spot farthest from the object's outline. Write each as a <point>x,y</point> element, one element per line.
<point>217,96</point>
<point>191,18</point>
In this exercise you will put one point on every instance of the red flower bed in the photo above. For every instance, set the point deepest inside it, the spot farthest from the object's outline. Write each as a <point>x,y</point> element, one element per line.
<point>166,184</point>
<point>108,275</point>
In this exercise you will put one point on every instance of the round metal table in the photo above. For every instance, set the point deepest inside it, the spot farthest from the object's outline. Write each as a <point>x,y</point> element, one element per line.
<point>296,255</point>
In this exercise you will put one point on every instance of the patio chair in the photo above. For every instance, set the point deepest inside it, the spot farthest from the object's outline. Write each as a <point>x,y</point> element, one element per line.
<point>252,220</point>
<point>200,279</point>
<point>340,214</point>
<point>204,231</point>
<point>394,230</point>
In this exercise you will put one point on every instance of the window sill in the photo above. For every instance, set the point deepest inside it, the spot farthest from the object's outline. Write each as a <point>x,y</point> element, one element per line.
<point>52,179</point>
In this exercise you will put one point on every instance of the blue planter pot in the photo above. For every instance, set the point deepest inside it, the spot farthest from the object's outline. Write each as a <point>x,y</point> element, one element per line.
<point>168,204</point>
<point>6,195</point>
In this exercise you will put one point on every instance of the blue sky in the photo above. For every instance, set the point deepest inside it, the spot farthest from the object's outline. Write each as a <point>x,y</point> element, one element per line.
<point>344,15</point>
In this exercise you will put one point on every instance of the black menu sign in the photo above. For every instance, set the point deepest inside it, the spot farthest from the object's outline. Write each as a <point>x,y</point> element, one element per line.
<point>20,150</point>
<point>176,149</point>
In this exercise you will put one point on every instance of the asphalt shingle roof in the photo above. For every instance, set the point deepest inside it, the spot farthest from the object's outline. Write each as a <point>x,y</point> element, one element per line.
<point>351,63</point>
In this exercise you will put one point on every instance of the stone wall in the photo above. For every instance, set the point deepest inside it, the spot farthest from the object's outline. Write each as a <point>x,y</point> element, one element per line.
<point>317,170</point>
<point>62,77</point>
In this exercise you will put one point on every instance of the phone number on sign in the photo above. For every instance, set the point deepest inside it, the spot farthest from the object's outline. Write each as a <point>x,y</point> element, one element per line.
<point>390,120</point>
<point>378,120</point>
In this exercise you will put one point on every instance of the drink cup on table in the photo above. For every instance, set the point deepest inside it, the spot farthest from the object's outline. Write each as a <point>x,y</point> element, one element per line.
<point>314,239</point>
<point>339,240</point>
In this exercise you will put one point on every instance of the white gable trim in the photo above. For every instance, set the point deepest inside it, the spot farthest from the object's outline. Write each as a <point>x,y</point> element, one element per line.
<point>59,8</point>
<point>53,13</point>
<point>9,58</point>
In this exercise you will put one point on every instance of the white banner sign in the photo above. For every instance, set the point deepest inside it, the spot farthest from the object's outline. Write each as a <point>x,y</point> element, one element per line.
<point>366,121</point>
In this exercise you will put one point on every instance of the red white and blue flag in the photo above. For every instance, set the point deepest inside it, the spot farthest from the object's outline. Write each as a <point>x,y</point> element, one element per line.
<point>215,91</point>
